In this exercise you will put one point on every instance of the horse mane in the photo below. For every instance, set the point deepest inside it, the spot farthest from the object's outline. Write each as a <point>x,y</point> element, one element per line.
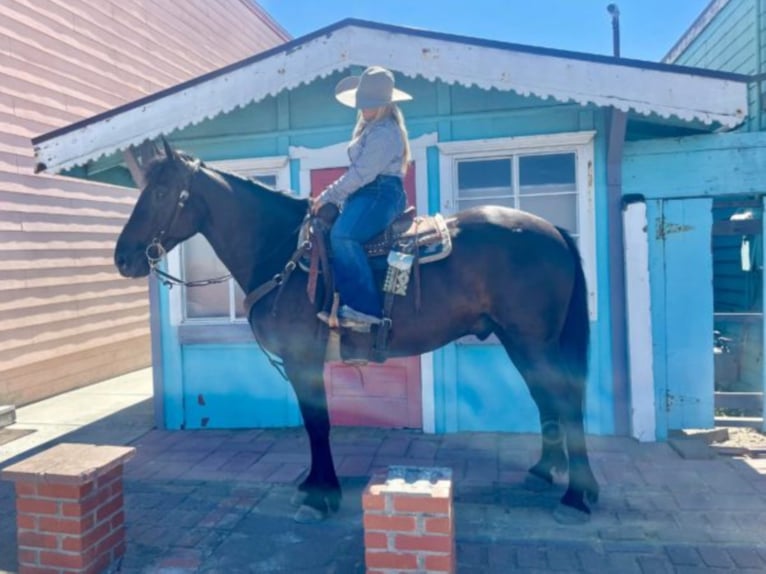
<point>234,180</point>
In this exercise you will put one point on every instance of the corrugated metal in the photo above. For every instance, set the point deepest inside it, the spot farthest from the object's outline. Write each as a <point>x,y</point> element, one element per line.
<point>66,317</point>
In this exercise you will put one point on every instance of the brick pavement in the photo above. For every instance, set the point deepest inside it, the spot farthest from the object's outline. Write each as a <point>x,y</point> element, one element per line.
<point>218,501</point>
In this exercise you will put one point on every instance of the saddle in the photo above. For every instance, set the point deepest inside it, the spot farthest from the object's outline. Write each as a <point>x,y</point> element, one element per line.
<point>409,242</point>
<point>426,238</point>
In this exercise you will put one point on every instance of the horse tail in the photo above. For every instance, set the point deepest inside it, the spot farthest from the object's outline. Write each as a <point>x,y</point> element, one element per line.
<point>575,334</point>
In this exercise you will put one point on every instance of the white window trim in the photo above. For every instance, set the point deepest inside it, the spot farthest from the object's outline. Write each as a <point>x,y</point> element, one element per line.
<point>581,143</point>
<point>274,165</point>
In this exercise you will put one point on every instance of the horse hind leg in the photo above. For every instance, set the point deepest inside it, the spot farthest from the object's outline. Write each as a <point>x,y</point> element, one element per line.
<point>583,488</point>
<point>541,382</point>
<point>559,398</point>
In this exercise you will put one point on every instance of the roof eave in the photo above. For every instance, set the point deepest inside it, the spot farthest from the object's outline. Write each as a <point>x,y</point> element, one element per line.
<point>665,90</point>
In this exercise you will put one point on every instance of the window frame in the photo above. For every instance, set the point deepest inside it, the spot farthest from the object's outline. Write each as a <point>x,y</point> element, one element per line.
<point>278,166</point>
<point>580,143</point>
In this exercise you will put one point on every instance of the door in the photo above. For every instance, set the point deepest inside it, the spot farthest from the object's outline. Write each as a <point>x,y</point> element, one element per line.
<point>682,230</point>
<point>379,395</point>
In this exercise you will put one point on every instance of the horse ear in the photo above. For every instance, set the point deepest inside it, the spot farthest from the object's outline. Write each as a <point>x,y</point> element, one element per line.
<point>169,153</point>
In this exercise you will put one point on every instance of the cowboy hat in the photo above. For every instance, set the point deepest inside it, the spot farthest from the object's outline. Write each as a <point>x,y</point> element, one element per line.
<point>372,89</point>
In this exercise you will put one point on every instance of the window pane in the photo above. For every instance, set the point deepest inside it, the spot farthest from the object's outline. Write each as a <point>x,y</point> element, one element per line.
<point>560,210</point>
<point>270,180</point>
<point>550,173</point>
<point>487,173</point>
<point>200,262</point>
<point>485,182</point>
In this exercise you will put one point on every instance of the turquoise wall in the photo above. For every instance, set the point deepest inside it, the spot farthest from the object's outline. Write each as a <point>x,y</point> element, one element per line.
<point>679,179</point>
<point>476,387</point>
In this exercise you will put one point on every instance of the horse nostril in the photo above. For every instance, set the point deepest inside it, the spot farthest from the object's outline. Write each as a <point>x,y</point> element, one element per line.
<point>120,261</point>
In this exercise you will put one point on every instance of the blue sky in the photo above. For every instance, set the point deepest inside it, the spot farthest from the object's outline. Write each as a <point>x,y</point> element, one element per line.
<point>648,28</point>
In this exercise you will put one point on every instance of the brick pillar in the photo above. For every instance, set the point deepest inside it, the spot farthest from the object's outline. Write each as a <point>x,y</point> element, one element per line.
<point>70,509</point>
<point>409,521</point>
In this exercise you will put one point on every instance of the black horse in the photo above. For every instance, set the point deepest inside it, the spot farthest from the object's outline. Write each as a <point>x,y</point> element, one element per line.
<point>510,273</point>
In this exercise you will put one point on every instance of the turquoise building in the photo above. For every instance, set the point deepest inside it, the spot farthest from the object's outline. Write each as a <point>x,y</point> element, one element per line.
<point>573,137</point>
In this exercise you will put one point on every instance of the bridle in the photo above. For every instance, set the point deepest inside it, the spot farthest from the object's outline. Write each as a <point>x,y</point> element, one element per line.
<point>155,252</point>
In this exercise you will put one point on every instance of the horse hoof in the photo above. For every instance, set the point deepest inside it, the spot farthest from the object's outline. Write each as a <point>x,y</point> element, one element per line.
<point>569,516</point>
<point>298,498</point>
<point>535,483</point>
<point>308,515</point>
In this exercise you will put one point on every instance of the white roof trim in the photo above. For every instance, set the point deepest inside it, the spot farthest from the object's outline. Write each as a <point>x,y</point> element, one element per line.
<point>680,94</point>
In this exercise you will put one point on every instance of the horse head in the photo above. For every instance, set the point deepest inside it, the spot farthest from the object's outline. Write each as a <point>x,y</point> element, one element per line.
<point>166,214</point>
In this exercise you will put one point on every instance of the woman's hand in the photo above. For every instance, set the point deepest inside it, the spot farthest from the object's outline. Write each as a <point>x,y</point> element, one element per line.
<point>316,204</point>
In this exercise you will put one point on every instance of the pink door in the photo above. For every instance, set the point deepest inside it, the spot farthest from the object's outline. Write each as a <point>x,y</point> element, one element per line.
<point>378,395</point>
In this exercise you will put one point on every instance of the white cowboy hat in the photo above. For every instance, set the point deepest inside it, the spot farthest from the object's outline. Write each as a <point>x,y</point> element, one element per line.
<point>373,89</point>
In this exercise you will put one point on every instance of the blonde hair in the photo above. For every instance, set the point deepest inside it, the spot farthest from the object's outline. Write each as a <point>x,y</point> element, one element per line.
<point>393,111</point>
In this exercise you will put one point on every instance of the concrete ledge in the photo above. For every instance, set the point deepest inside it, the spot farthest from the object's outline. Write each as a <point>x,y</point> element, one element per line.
<point>69,464</point>
<point>7,415</point>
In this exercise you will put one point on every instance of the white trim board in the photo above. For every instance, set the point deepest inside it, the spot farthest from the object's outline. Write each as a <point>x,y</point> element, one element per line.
<point>648,90</point>
<point>640,342</point>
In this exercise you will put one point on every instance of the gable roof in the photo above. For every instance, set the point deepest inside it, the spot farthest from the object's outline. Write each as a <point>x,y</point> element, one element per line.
<point>645,88</point>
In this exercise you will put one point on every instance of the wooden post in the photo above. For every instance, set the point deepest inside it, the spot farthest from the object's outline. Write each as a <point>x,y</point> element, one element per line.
<point>70,509</point>
<point>409,521</point>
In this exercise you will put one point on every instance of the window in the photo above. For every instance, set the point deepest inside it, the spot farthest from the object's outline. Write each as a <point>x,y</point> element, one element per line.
<point>550,176</point>
<point>195,259</point>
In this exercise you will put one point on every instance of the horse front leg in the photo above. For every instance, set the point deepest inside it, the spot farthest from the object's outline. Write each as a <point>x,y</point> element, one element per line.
<point>320,492</point>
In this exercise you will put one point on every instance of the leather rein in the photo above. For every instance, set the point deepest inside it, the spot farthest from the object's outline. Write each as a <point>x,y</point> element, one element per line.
<point>155,252</point>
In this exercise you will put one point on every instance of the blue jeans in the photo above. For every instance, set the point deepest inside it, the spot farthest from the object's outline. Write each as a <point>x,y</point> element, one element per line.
<point>366,213</point>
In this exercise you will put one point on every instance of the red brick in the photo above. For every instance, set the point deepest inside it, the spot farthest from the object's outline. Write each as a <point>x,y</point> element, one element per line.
<point>29,556</point>
<point>26,522</point>
<point>62,560</point>
<point>109,508</point>
<point>440,563</point>
<point>39,570</point>
<point>118,519</point>
<point>391,560</point>
<point>375,540</point>
<point>109,543</point>
<point>373,501</point>
<point>393,523</point>
<point>423,543</point>
<point>37,506</point>
<point>26,489</point>
<point>422,504</point>
<point>65,525</point>
<point>91,538</point>
<point>38,540</point>
<point>64,491</point>
<point>98,565</point>
<point>438,526</point>
<point>106,478</point>
<point>83,507</point>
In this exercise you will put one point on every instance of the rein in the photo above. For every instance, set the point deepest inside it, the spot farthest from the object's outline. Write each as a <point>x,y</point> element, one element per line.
<point>155,252</point>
